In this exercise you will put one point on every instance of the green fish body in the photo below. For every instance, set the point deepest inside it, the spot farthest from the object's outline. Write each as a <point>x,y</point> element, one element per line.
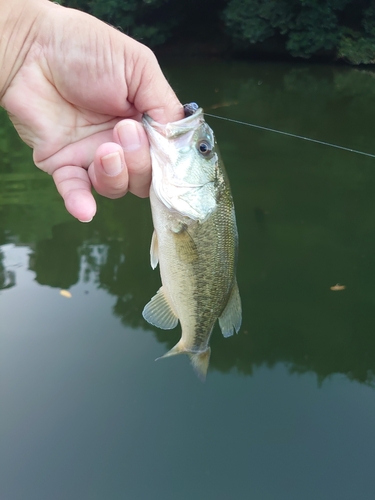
<point>195,238</point>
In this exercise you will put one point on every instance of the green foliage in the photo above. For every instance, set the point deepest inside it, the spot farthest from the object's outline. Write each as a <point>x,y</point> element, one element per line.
<point>154,22</point>
<point>358,47</point>
<point>253,21</point>
<point>342,29</point>
<point>245,22</point>
<point>145,20</point>
<point>138,18</point>
<point>308,26</point>
<point>315,28</point>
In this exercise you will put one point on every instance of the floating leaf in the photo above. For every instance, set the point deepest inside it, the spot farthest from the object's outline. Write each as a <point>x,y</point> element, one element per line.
<point>66,294</point>
<point>223,105</point>
<point>337,287</point>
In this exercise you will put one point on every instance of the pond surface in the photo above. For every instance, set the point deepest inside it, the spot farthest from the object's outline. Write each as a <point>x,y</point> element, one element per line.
<point>287,411</point>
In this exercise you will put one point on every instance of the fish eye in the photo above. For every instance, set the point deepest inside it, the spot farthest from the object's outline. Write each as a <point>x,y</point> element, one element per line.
<point>204,147</point>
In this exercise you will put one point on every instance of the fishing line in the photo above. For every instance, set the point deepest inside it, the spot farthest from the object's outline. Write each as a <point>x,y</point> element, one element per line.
<point>293,135</point>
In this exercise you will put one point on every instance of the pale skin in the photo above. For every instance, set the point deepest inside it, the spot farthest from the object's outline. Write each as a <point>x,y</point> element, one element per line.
<point>75,89</point>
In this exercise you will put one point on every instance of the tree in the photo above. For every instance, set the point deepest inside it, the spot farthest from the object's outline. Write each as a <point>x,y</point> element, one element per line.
<point>342,28</point>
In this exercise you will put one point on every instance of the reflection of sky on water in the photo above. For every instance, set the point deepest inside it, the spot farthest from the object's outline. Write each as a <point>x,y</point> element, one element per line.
<point>86,413</point>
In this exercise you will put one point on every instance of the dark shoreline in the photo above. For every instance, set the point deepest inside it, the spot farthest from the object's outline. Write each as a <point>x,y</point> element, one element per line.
<point>267,51</point>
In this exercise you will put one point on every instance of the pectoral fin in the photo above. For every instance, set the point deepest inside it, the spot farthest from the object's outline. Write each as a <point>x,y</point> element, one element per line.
<point>154,250</point>
<point>230,319</point>
<point>159,312</point>
<point>186,248</point>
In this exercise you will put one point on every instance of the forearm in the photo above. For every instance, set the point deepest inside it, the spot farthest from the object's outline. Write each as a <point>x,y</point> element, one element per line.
<point>18,30</point>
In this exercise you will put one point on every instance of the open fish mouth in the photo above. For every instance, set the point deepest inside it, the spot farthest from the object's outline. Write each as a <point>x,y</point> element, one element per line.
<point>193,118</point>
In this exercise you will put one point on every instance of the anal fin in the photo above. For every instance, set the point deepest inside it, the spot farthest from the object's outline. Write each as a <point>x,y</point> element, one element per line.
<point>158,312</point>
<point>199,359</point>
<point>231,318</point>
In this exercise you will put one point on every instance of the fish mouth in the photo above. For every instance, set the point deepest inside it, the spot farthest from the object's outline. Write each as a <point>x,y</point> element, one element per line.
<point>174,129</point>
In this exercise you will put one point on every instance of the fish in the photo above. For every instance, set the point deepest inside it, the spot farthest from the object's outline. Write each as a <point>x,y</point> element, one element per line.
<point>195,238</point>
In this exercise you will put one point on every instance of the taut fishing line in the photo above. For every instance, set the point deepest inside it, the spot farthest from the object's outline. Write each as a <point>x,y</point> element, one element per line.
<point>293,135</point>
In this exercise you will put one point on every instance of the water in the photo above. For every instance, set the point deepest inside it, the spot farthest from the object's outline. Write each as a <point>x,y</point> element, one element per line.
<point>288,407</point>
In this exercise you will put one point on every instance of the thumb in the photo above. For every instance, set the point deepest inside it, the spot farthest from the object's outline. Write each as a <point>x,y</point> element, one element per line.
<point>149,90</point>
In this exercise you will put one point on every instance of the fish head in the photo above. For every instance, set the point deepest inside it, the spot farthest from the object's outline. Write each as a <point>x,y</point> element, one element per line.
<point>184,164</point>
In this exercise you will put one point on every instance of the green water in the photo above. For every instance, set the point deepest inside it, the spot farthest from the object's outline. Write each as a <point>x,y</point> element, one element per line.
<point>288,408</point>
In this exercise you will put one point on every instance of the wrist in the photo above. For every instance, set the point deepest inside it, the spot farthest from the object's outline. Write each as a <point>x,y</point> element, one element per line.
<point>18,30</point>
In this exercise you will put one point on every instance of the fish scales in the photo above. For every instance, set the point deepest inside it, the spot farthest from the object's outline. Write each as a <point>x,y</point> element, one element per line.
<point>195,237</point>
<point>198,264</point>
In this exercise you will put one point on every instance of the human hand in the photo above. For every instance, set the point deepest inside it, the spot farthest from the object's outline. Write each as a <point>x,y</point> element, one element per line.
<point>76,96</point>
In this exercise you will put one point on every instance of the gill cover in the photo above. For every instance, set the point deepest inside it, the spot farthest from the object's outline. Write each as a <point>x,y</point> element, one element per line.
<point>184,163</point>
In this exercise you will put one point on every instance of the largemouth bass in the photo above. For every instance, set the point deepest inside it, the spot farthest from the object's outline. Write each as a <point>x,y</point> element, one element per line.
<point>195,236</point>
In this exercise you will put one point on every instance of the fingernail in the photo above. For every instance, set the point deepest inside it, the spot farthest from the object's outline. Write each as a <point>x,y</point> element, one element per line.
<point>85,221</point>
<point>129,136</point>
<point>112,163</point>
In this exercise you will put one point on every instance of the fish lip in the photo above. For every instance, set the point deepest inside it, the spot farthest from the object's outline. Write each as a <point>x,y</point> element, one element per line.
<point>166,129</point>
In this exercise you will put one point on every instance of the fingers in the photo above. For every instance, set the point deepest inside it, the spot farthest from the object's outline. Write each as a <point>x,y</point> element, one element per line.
<point>74,186</point>
<point>125,166</point>
<point>133,139</point>
<point>118,167</point>
<point>108,172</point>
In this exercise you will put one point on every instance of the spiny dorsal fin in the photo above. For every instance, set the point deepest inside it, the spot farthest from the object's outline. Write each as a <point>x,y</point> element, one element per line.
<point>231,317</point>
<point>159,312</point>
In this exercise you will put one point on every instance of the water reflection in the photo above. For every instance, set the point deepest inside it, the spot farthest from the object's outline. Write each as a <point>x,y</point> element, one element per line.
<point>306,219</point>
<point>7,276</point>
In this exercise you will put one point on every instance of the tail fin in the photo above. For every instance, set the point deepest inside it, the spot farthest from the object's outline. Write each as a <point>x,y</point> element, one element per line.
<point>199,360</point>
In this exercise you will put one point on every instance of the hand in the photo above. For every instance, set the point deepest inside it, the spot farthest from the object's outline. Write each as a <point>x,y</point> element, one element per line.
<point>77,81</point>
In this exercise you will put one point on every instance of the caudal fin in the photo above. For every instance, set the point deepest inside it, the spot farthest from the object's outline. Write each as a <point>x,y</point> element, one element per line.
<point>199,360</point>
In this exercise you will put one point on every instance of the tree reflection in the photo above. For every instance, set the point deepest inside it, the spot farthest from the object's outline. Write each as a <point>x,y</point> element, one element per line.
<point>56,261</point>
<point>306,219</point>
<point>7,277</point>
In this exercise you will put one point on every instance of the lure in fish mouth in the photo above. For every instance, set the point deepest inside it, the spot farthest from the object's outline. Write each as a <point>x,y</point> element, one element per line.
<point>195,238</point>
<point>190,108</point>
